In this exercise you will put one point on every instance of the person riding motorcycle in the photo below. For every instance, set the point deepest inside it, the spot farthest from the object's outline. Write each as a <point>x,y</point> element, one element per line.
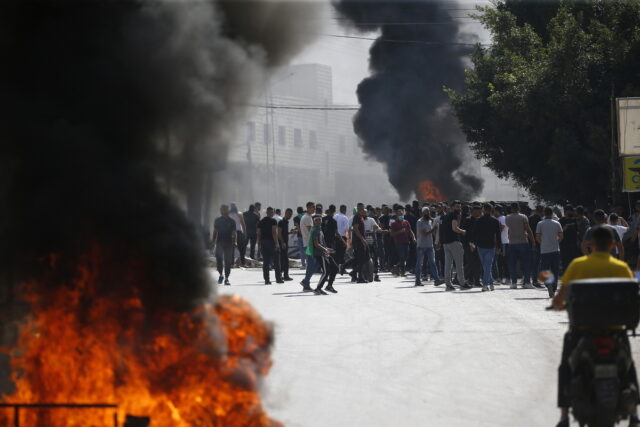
<point>598,264</point>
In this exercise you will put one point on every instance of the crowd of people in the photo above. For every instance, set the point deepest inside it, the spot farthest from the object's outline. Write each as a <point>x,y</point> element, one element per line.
<point>458,245</point>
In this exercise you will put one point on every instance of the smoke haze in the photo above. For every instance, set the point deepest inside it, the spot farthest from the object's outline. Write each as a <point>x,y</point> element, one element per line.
<point>106,102</point>
<point>404,119</point>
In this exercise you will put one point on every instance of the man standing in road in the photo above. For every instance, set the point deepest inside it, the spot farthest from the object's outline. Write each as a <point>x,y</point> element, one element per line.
<point>472,264</point>
<point>485,239</point>
<point>601,221</point>
<point>306,222</point>
<point>283,239</point>
<point>450,235</point>
<point>402,234</point>
<point>341,244</point>
<point>424,248</point>
<point>549,235</point>
<point>224,242</point>
<point>520,242</point>
<point>268,244</point>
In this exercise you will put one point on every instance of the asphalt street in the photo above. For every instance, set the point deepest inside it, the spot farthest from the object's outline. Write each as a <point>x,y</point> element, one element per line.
<point>391,354</point>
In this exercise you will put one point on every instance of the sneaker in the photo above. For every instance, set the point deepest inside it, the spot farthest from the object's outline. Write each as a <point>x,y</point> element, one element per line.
<point>538,285</point>
<point>449,288</point>
<point>513,286</point>
<point>418,283</point>
<point>331,289</point>
<point>307,289</point>
<point>438,282</point>
<point>280,281</point>
<point>492,287</point>
<point>267,282</point>
<point>220,280</point>
<point>485,289</point>
<point>563,423</point>
<point>319,292</point>
<point>376,278</point>
<point>528,286</point>
<point>465,287</point>
<point>226,283</point>
<point>288,279</point>
<point>361,281</point>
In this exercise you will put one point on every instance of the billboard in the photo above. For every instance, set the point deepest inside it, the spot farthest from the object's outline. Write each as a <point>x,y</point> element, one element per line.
<point>628,110</point>
<point>631,174</point>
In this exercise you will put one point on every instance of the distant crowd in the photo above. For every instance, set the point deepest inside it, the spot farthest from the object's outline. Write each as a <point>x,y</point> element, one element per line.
<point>458,245</point>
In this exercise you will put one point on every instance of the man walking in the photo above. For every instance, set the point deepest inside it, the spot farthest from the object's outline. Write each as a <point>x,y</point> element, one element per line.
<point>251,222</point>
<point>472,264</point>
<point>424,248</point>
<point>318,250</point>
<point>569,249</point>
<point>520,241</point>
<point>224,242</point>
<point>485,239</point>
<point>450,235</point>
<point>268,244</point>
<point>549,235</point>
<point>341,244</point>
<point>534,219</point>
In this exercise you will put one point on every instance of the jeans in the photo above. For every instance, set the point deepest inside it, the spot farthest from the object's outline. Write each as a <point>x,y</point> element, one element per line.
<point>431,260</point>
<point>519,252</point>
<point>454,254</point>
<point>551,261</point>
<point>311,269</point>
<point>301,251</point>
<point>486,258</point>
<point>269,255</point>
<point>224,257</point>
<point>402,251</point>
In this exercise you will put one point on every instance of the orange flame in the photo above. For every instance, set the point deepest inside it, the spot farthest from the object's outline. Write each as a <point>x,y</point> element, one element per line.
<point>429,192</point>
<point>200,368</point>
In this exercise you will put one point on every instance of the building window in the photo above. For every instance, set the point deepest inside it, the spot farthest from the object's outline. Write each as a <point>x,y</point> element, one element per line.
<point>313,140</point>
<point>341,144</point>
<point>297,137</point>
<point>267,134</point>
<point>251,131</point>
<point>282,135</point>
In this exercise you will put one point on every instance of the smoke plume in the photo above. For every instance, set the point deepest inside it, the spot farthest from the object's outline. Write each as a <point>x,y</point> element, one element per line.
<point>106,102</point>
<point>404,119</point>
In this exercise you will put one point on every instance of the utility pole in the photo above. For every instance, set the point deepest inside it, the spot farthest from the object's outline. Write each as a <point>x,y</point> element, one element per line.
<point>614,162</point>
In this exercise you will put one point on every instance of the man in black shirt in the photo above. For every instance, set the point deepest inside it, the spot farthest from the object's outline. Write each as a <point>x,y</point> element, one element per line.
<point>251,222</point>
<point>269,246</point>
<point>224,242</point>
<point>484,239</point>
<point>387,241</point>
<point>413,221</point>
<point>472,265</point>
<point>283,238</point>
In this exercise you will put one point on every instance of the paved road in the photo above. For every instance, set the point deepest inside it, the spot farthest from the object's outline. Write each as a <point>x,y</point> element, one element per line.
<point>389,354</point>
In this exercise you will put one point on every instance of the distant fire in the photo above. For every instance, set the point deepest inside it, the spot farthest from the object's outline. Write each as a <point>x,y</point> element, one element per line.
<point>429,192</point>
<point>82,345</point>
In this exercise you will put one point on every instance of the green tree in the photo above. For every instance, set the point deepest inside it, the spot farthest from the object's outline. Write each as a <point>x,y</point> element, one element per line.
<point>536,107</point>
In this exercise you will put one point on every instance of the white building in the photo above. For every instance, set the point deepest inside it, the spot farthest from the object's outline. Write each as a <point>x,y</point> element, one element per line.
<point>297,146</point>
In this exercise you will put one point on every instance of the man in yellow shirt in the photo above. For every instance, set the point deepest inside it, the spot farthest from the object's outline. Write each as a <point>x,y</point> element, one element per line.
<point>598,264</point>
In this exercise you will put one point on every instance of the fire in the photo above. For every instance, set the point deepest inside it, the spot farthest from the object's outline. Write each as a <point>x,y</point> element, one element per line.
<point>429,192</point>
<point>81,345</point>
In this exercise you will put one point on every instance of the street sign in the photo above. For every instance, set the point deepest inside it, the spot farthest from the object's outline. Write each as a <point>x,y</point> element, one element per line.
<point>628,110</point>
<point>631,174</point>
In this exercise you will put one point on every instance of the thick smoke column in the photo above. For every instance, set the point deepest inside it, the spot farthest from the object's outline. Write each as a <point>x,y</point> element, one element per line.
<point>99,100</point>
<point>404,120</point>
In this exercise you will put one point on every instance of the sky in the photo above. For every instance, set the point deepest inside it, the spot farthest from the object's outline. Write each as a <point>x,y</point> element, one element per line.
<point>349,60</point>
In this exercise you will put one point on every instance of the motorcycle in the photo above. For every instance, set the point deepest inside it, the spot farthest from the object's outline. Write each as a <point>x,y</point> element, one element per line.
<point>602,312</point>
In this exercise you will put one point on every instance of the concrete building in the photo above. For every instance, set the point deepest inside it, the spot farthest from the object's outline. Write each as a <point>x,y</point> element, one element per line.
<point>297,146</point>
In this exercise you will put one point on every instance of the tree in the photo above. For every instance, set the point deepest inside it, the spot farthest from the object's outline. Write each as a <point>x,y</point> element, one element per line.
<point>536,107</point>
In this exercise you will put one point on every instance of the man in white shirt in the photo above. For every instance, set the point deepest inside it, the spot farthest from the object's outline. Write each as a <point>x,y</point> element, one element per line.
<point>343,228</point>
<point>306,222</point>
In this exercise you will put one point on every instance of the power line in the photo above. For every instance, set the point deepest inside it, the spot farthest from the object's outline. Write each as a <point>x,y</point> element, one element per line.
<point>310,107</point>
<point>342,36</point>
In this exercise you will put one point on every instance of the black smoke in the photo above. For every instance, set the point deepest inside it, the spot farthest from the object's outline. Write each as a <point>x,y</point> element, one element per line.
<point>404,119</point>
<point>106,104</point>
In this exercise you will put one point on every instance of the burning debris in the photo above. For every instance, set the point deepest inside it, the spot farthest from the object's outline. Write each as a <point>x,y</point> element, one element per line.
<point>428,192</point>
<point>404,119</point>
<point>104,103</point>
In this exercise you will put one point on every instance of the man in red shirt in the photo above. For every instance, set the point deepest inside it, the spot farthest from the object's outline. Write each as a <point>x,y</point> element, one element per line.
<point>402,234</point>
